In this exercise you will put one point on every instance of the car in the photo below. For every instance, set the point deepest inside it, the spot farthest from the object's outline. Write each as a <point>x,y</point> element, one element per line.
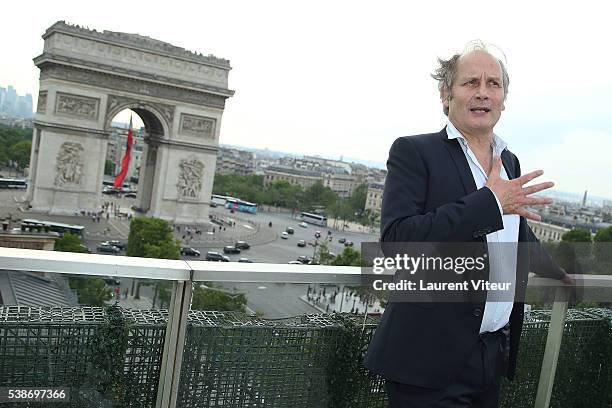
<point>107,248</point>
<point>304,259</point>
<point>245,260</point>
<point>216,257</point>
<point>118,244</point>
<point>242,245</point>
<point>131,194</point>
<point>213,205</point>
<point>295,263</point>
<point>303,224</point>
<point>112,281</point>
<point>301,243</point>
<point>230,249</point>
<point>348,243</point>
<point>284,235</point>
<point>290,231</point>
<point>109,190</point>
<point>188,251</point>
<point>342,240</point>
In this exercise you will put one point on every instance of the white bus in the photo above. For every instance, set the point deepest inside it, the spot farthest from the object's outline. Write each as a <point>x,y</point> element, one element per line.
<point>58,227</point>
<point>315,219</point>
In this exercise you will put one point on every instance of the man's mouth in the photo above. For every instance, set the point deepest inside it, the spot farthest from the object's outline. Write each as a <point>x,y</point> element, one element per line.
<point>480,110</point>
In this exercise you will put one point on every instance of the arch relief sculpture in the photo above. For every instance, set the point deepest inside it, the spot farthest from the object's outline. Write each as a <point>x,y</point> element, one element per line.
<point>69,164</point>
<point>191,173</point>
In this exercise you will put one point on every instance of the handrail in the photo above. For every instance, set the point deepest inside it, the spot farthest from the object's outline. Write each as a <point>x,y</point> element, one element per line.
<point>183,272</point>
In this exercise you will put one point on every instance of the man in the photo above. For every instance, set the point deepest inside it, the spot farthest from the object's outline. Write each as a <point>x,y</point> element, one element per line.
<point>459,185</point>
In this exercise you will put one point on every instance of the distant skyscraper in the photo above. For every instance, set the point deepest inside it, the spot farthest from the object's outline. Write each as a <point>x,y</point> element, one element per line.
<point>584,198</point>
<point>14,105</point>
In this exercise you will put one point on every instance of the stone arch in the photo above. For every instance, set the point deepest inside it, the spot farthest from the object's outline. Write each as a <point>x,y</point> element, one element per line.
<point>86,78</point>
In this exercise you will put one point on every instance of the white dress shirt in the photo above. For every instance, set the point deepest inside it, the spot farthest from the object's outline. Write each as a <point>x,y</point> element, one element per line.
<point>502,257</point>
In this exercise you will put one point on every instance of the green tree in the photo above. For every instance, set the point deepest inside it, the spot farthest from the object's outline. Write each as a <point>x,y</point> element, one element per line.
<point>152,238</point>
<point>213,297</point>
<point>348,257</point>
<point>91,291</point>
<point>69,243</point>
<point>358,198</point>
<point>109,167</point>
<point>577,235</point>
<point>20,153</point>
<point>603,249</point>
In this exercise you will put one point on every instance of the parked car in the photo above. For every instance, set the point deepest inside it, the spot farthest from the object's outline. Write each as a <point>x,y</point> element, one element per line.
<point>348,243</point>
<point>230,249</point>
<point>318,234</point>
<point>131,194</point>
<point>242,245</point>
<point>118,244</point>
<point>301,243</point>
<point>216,257</point>
<point>112,281</point>
<point>188,251</point>
<point>303,224</point>
<point>245,260</point>
<point>108,248</point>
<point>109,190</point>
<point>342,240</point>
<point>295,263</point>
<point>284,235</point>
<point>304,259</point>
<point>290,231</point>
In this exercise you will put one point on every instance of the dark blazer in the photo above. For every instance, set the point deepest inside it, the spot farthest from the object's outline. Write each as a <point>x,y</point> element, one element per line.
<point>430,196</point>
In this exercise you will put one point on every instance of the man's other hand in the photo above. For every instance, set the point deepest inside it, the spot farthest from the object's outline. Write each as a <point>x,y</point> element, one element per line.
<point>512,194</point>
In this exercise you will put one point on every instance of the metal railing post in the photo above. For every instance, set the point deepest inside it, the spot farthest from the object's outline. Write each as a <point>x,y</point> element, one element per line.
<point>170,373</point>
<point>553,346</point>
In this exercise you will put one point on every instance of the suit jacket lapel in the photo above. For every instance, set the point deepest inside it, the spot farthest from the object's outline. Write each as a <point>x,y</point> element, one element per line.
<point>508,165</point>
<point>463,168</point>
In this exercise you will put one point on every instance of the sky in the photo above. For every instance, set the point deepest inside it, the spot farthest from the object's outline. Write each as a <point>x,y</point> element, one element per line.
<point>346,78</point>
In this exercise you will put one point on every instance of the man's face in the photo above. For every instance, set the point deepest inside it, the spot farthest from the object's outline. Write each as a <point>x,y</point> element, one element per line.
<point>477,94</point>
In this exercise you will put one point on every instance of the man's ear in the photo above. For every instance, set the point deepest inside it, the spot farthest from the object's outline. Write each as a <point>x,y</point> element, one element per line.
<point>444,97</point>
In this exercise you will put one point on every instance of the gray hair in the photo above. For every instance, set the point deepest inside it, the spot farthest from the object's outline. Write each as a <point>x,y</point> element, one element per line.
<point>445,73</point>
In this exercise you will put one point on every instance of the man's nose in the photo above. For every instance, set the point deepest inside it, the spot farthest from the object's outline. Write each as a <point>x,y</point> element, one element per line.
<point>482,92</point>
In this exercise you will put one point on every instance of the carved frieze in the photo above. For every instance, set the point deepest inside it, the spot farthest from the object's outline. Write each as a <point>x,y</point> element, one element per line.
<point>77,106</point>
<point>191,174</point>
<point>41,106</point>
<point>69,164</point>
<point>135,86</point>
<point>197,126</point>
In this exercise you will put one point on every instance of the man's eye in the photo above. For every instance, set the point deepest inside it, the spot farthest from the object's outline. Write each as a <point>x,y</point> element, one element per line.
<point>471,82</point>
<point>494,83</point>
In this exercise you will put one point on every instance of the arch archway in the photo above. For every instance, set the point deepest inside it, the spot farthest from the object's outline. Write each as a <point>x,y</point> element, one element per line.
<point>87,77</point>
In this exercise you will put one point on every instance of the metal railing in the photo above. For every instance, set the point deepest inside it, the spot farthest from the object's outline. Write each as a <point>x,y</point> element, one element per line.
<point>184,273</point>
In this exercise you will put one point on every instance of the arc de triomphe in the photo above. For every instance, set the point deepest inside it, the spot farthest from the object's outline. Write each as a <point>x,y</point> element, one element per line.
<point>86,78</point>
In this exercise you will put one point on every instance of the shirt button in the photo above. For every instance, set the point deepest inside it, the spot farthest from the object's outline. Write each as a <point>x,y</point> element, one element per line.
<point>477,312</point>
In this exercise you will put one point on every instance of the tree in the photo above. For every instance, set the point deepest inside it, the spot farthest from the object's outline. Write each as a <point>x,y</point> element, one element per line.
<point>69,243</point>
<point>20,153</point>
<point>152,238</point>
<point>577,235</point>
<point>348,257</point>
<point>90,291</point>
<point>358,198</point>
<point>603,248</point>
<point>211,297</point>
<point>109,167</point>
<point>574,245</point>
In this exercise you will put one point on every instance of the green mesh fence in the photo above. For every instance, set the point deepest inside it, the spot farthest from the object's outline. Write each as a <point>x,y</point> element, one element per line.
<point>111,358</point>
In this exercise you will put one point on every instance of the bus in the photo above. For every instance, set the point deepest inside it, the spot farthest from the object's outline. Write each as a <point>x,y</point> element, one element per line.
<point>315,219</point>
<point>12,183</point>
<point>58,227</point>
<point>218,199</point>
<point>240,205</point>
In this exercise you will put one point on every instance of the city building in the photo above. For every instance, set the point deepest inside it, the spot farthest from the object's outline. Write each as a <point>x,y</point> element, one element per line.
<point>374,198</point>
<point>546,232</point>
<point>13,105</point>
<point>235,161</point>
<point>342,184</point>
<point>302,178</point>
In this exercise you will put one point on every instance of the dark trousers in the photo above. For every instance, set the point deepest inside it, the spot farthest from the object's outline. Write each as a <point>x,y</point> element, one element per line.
<point>477,386</point>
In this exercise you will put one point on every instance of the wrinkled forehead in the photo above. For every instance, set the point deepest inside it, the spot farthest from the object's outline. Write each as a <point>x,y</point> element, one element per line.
<point>477,64</point>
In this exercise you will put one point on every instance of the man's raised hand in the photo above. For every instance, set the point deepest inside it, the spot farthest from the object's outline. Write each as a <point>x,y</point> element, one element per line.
<point>512,194</point>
